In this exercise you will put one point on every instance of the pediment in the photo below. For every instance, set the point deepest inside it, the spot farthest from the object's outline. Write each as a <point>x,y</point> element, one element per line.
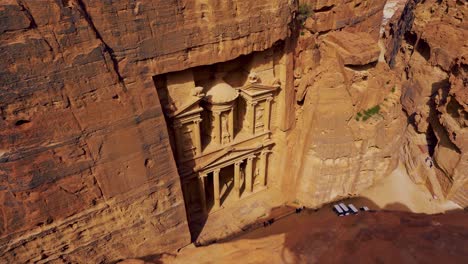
<point>227,155</point>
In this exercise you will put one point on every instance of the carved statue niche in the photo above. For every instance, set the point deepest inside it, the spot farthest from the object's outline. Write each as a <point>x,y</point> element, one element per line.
<point>260,110</point>
<point>225,129</point>
<point>258,98</point>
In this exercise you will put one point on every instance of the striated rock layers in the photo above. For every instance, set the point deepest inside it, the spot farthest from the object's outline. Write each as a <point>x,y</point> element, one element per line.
<point>86,171</point>
<point>431,38</point>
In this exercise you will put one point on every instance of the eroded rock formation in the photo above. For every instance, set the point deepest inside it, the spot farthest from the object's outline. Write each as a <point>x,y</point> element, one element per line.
<point>433,62</point>
<point>349,117</point>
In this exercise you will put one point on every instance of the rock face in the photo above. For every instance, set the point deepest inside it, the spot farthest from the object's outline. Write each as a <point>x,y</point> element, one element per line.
<point>347,134</point>
<point>87,173</point>
<point>355,15</point>
<point>434,58</point>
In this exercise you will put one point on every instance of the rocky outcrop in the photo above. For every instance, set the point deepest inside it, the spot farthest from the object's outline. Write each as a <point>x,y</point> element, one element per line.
<point>354,15</point>
<point>434,59</point>
<point>86,169</point>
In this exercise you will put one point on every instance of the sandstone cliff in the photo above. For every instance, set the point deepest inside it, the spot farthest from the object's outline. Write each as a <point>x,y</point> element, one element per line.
<point>349,118</point>
<point>87,173</point>
<point>433,62</point>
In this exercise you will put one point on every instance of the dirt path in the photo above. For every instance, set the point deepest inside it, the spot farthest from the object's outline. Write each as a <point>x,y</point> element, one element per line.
<point>398,192</point>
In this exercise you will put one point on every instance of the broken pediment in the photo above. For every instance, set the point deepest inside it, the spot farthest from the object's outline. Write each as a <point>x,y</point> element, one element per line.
<point>189,108</point>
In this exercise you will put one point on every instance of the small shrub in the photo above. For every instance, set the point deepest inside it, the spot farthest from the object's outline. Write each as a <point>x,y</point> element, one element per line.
<point>303,12</point>
<point>368,113</point>
<point>393,89</point>
<point>372,111</point>
<point>302,33</point>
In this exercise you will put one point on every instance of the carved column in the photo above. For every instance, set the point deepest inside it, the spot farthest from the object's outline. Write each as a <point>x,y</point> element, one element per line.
<point>217,126</point>
<point>237,178</point>
<point>217,198</point>
<point>231,123</point>
<point>267,114</point>
<point>186,194</point>
<point>197,134</point>
<point>201,185</point>
<point>179,140</point>
<point>263,167</point>
<point>251,116</point>
<point>249,174</point>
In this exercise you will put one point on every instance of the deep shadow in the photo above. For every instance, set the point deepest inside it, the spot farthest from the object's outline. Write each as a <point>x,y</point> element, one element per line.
<point>365,67</point>
<point>431,140</point>
<point>424,49</point>
<point>149,259</point>
<point>397,207</point>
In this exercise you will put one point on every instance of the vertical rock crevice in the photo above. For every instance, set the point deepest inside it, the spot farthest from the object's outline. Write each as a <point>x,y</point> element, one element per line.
<point>82,9</point>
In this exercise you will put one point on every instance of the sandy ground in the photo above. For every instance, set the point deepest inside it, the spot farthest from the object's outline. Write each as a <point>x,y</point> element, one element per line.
<point>398,192</point>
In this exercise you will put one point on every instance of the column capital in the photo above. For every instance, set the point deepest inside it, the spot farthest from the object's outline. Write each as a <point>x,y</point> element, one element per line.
<point>250,158</point>
<point>196,121</point>
<point>217,170</point>
<point>203,175</point>
<point>177,125</point>
<point>238,163</point>
<point>253,103</point>
<point>269,99</point>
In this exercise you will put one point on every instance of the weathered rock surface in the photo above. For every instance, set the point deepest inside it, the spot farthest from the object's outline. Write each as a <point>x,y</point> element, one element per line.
<point>87,173</point>
<point>434,58</point>
<point>349,120</point>
<point>355,15</point>
<point>86,170</point>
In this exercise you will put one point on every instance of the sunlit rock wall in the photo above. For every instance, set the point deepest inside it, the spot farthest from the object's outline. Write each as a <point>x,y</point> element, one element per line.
<point>349,119</point>
<point>433,57</point>
<point>86,170</point>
